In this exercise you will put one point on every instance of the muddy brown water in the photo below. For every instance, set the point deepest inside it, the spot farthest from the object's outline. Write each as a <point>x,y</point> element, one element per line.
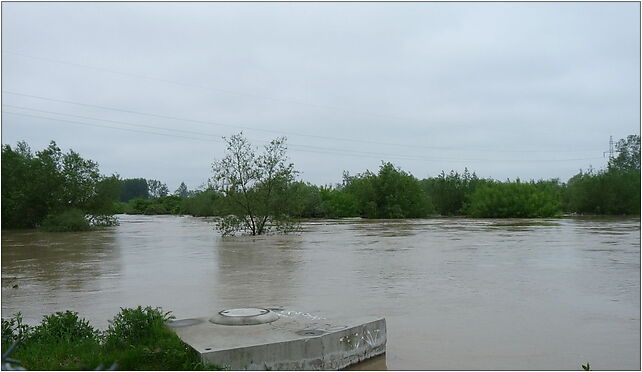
<point>456,293</point>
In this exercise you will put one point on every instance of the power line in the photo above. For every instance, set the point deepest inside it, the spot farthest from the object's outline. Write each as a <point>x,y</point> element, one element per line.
<point>338,152</point>
<point>203,122</point>
<point>323,150</point>
<point>208,88</point>
<point>356,152</point>
<point>306,148</point>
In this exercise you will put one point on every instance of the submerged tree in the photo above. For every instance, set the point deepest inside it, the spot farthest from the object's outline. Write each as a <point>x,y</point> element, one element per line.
<point>255,187</point>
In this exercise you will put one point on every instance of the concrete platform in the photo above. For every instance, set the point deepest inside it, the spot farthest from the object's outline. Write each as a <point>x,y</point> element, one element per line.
<point>294,341</point>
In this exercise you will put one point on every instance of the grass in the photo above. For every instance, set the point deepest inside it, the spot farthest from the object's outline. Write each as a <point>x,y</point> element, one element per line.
<point>137,339</point>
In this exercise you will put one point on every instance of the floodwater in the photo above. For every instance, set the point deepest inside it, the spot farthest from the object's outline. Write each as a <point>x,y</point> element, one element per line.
<point>456,293</point>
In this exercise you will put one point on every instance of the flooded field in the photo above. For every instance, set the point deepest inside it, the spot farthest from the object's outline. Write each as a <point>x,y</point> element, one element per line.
<point>456,293</point>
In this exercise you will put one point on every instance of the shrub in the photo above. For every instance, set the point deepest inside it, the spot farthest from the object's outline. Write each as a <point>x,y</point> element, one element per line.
<point>202,203</point>
<point>136,340</point>
<point>64,327</point>
<point>69,220</point>
<point>137,206</point>
<point>60,341</point>
<point>132,326</point>
<point>512,199</point>
<point>13,330</point>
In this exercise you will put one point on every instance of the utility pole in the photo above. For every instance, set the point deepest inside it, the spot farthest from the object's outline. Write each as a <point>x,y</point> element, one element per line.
<point>610,149</point>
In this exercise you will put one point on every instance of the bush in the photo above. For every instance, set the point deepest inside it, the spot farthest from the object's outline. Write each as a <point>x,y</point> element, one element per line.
<point>201,204</point>
<point>69,220</point>
<point>132,326</point>
<point>512,199</point>
<point>64,327</point>
<point>606,192</point>
<point>137,206</point>
<point>60,341</point>
<point>13,330</point>
<point>137,339</point>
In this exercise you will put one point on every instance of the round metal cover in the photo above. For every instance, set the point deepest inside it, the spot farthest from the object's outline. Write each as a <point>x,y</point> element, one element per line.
<point>244,316</point>
<point>244,311</point>
<point>182,322</point>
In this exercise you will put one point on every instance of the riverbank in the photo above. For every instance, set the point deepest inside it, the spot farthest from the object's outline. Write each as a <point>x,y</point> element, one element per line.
<point>136,339</point>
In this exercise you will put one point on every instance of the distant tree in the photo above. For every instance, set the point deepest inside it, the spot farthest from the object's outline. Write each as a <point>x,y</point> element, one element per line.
<point>80,177</point>
<point>392,193</point>
<point>134,188</point>
<point>255,187</point>
<point>108,190</point>
<point>399,194</point>
<point>512,200</point>
<point>182,191</point>
<point>628,157</point>
<point>157,189</point>
<point>201,203</point>
<point>362,188</point>
<point>451,192</point>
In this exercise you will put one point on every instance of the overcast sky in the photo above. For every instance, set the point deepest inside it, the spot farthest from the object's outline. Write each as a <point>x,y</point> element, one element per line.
<point>529,90</point>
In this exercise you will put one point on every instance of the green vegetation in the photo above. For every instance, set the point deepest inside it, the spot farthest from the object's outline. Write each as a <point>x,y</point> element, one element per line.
<point>68,220</point>
<point>134,188</point>
<point>393,193</point>
<point>450,192</point>
<point>255,193</point>
<point>255,187</point>
<point>136,339</point>
<point>61,188</point>
<point>512,199</point>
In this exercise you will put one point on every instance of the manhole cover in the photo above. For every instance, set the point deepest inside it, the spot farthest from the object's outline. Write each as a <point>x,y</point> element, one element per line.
<point>310,332</point>
<point>183,322</point>
<point>244,316</point>
<point>244,311</point>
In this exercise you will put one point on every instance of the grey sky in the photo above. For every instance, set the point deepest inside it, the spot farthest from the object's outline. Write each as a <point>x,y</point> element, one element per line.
<point>529,90</point>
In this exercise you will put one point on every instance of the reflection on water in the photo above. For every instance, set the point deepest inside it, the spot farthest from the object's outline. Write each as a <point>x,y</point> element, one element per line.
<point>456,293</point>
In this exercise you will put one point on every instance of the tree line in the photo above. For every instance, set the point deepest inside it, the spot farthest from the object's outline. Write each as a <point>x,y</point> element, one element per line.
<point>258,192</point>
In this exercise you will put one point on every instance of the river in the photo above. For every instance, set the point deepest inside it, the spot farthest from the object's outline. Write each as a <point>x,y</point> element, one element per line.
<point>456,293</point>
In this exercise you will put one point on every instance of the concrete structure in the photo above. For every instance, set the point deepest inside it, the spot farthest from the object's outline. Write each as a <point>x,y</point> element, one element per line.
<point>262,339</point>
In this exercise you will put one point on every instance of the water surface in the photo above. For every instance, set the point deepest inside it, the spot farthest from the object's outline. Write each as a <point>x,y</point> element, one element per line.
<point>456,293</point>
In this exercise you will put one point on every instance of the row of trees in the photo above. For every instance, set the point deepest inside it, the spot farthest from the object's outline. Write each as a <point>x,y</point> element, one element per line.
<point>253,192</point>
<point>256,193</point>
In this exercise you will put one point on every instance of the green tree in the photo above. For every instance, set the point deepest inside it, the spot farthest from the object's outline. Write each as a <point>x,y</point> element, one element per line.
<point>134,188</point>
<point>628,157</point>
<point>337,203</point>
<point>80,177</point>
<point>182,191</point>
<point>201,203</point>
<point>255,187</point>
<point>451,192</point>
<point>157,189</point>
<point>362,188</point>
<point>392,193</point>
<point>512,199</point>
<point>50,184</point>
<point>399,194</point>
